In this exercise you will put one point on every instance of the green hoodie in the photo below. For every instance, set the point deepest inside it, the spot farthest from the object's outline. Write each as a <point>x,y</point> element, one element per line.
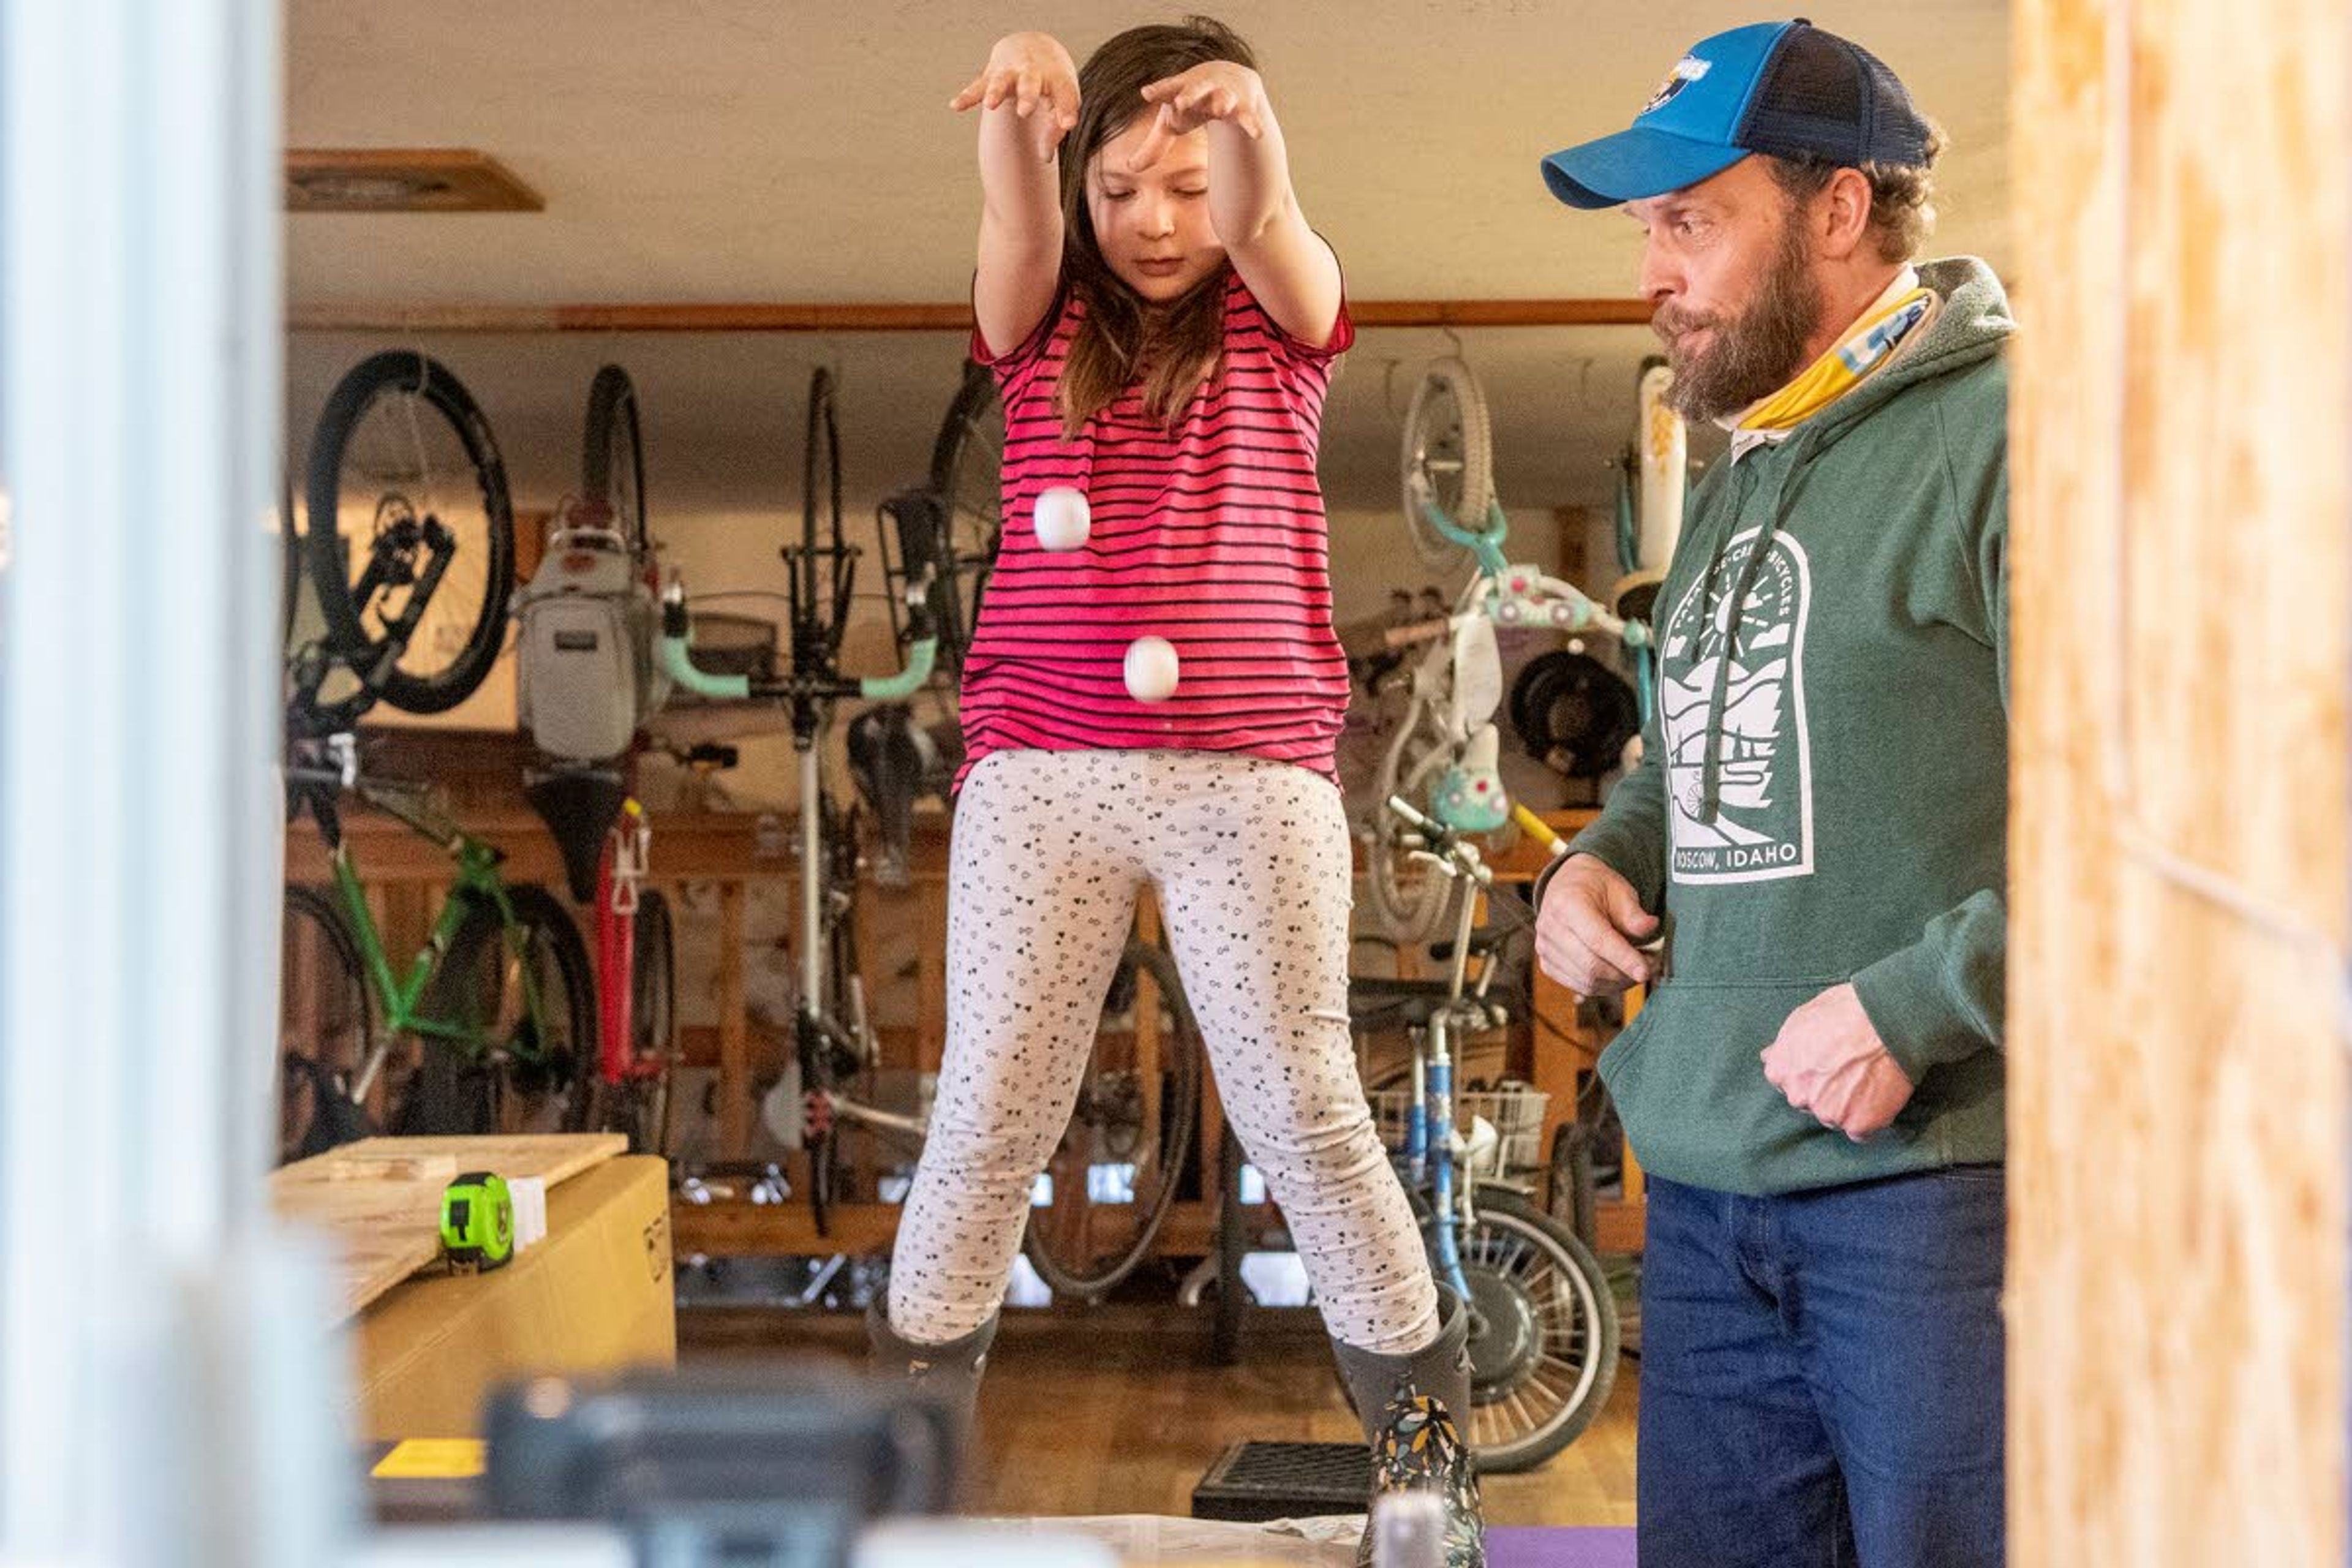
<point>1823,794</point>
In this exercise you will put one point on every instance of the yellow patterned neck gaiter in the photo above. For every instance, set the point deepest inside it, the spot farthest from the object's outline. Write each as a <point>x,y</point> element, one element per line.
<point>1870,345</point>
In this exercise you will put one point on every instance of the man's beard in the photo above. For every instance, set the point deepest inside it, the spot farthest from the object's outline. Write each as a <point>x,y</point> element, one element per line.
<point>1752,355</point>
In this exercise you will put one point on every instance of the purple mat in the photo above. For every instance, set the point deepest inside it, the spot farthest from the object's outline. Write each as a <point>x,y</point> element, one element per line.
<point>1557,1547</point>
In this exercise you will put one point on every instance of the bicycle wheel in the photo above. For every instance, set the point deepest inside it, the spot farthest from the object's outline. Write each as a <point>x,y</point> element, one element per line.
<point>1573,713</point>
<point>653,1013</point>
<point>653,980</point>
<point>1410,901</point>
<point>1116,1170</point>
<point>1232,1304</point>
<point>824,569</point>
<point>290,566</point>
<point>1543,1337</point>
<point>326,1023</point>
<point>545,1069</point>
<point>612,456</point>
<point>830,1040</point>
<point>1449,458</point>
<point>967,475</point>
<point>411,535</point>
<point>532,1075</point>
<point>1664,445</point>
<point>639,1106</point>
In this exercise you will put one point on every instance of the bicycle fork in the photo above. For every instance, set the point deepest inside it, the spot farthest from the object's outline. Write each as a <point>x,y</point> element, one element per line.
<point>1430,1146</point>
<point>1435,1142</point>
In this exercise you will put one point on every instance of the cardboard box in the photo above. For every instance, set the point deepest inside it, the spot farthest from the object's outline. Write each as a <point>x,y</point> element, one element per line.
<point>595,1296</point>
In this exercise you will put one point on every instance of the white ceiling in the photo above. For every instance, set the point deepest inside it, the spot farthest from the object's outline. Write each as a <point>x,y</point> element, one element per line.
<point>780,150</point>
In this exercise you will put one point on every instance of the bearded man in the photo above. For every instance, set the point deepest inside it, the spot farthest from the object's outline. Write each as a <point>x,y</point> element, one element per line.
<point>1806,869</point>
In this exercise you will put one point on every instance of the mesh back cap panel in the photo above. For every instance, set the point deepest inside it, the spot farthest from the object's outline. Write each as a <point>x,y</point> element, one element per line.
<point>1823,96</point>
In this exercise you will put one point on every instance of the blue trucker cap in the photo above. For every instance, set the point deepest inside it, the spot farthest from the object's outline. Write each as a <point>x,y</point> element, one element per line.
<point>1783,88</point>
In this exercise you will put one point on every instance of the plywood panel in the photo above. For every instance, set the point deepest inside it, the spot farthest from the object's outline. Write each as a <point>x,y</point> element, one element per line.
<point>2180,568</point>
<point>379,1200</point>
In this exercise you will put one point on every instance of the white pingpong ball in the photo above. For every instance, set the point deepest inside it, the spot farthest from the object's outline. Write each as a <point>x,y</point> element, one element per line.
<point>1152,669</point>
<point>1060,519</point>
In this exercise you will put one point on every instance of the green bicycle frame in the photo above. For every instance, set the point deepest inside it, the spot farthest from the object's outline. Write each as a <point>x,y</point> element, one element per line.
<point>403,994</point>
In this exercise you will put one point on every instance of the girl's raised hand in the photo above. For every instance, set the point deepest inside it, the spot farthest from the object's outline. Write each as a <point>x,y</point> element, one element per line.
<point>1218,89</point>
<point>1032,71</point>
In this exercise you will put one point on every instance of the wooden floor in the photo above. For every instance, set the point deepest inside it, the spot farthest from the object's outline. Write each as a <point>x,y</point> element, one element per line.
<point>1118,1410</point>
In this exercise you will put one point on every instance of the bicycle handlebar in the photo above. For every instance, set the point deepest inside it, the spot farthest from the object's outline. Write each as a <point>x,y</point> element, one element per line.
<point>1453,852</point>
<point>1415,635</point>
<point>678,661</point>
<point>920,659</point>
<point>677,656</point>
<point>1523,596</point>
<point>1486,546</point>
<point>1527,586</point>
<point>1537,829</point>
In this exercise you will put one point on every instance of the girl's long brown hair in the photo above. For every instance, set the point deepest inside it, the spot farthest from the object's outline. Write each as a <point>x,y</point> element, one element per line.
<point>1172,349</point>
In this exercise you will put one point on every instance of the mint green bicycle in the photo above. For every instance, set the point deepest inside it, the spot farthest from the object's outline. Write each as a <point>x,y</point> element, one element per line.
<point>1443,756</point>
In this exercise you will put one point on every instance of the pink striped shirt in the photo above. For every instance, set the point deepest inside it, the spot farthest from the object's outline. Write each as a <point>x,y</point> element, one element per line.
<point>1210,535</point>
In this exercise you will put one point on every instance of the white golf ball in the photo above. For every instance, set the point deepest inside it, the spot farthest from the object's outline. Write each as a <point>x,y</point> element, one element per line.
<point>1060,519</point>
<point>1152,669</point>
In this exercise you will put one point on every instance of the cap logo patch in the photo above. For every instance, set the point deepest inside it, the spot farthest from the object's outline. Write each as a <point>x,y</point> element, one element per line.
<point>1688,70</point>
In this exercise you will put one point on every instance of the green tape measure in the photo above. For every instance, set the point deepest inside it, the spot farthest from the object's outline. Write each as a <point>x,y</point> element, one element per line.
<point>477,1221</point>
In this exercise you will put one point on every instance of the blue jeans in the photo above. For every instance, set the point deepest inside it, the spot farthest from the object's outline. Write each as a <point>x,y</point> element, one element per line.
<point>1822,1375</point>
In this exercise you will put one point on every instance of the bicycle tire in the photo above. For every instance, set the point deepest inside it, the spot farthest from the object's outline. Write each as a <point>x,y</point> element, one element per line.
<point>568,1014</point>
<point>654,1012</point>
<point>640,1106</point>
<point>1232,1303</point>
<point>1408,915</point>
<point>1088,1276</point>
<point>1574,1201</point>
<point>968,477</point>
<point>1663,467</point>
<point>824,1045</point>
<point>535,1080</point>
<point>612,456</point>
<point>478,623</point>
<point>653,980</point>
<point>1449,448</point>
<point>1573,713</point>
<point>823,566</point>
<point>289,561</point>
<point>322,1027</point>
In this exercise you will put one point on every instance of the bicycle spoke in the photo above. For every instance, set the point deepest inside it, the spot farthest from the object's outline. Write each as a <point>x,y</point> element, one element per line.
<point>395,454</point>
